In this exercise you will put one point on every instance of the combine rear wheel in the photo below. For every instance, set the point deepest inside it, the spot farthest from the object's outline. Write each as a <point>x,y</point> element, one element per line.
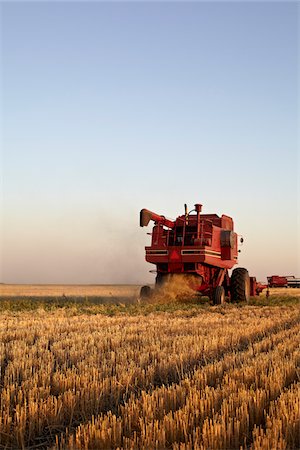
<point>240,285</point>
<point>219,295</point>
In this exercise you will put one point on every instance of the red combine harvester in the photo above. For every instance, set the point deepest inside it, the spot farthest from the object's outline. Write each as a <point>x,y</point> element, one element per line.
<point>203,246</point>
<point>283,281</point>
<point>277,281</point>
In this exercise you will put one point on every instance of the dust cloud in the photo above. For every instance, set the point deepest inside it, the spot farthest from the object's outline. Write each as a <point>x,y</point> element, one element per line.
<point>178,287</point>
<point>73,248</point>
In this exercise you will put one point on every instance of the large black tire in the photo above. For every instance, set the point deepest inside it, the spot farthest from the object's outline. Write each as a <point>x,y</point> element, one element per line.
<point>145,292</point>
<point>162,279</point>
<point>240,285</point>
<point>218,296</point>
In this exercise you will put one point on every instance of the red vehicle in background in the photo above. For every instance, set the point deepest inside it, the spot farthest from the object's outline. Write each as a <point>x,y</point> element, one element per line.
<point>277,281</point>
<point>284,281</point>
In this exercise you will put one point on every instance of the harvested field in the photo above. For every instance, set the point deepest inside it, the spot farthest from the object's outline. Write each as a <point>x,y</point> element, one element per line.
<point>114,299</point>
<point>285,292</point>
<point>211,377</point>
<point>97,290</point>
<point>29,296</point>
<point>58,290</point>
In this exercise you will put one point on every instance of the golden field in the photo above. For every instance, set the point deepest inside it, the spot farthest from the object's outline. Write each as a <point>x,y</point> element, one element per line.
<point>222,377</point>
<point>97,290</point>
<point>58,290</point>
<point>284,292</point>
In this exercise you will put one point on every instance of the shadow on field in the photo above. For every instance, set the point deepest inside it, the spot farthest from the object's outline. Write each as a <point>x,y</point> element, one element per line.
<point>48,303</point>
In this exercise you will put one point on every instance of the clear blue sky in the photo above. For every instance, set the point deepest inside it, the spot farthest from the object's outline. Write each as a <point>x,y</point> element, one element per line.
<point>112,107</point>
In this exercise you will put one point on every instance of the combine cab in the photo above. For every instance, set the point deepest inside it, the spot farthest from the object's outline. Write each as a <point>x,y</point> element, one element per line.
<point>203,246</point>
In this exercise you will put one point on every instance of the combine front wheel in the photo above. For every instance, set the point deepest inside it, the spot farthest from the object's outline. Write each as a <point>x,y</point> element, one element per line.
<point>240,285</point>
<point>145,292</point>
<point>162,279</point>
<point>219,295</point>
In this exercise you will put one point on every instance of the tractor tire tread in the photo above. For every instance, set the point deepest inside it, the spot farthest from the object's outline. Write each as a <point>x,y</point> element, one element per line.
<point>239,279</point>
<point>219,295</point>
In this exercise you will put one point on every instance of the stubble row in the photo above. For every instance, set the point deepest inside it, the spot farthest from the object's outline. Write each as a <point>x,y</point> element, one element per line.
<point>220,379</point>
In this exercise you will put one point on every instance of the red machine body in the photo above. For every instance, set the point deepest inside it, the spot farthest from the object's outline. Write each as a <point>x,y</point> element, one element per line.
<point>283,281</point>
<point>256,287</point>
<point>277,281</point>
<point>203,245</point>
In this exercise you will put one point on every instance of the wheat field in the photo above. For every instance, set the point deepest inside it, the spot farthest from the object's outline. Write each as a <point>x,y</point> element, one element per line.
<point>211,378</point>
<point>57,290</point>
